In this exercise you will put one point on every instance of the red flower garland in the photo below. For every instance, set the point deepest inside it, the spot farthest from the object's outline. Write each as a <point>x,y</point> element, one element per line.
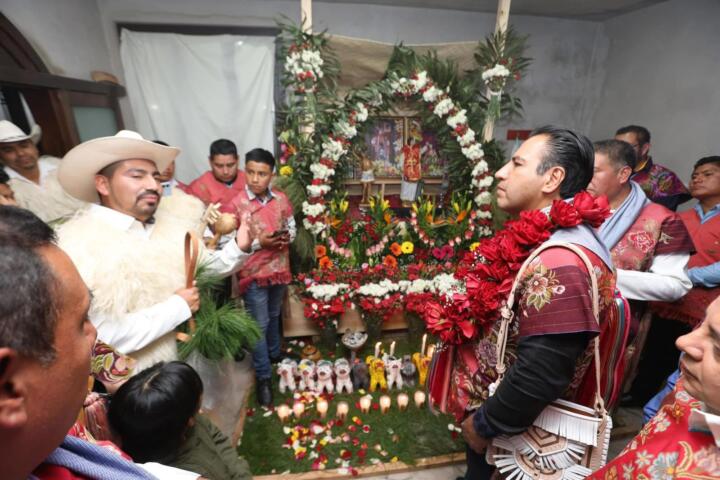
<point>489,272</point>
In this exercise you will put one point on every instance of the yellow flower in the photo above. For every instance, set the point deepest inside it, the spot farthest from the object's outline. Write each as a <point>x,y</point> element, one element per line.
<point>344,206</point>
<point>474,246</point>
<point>407,248</point>
<point>286,170</point>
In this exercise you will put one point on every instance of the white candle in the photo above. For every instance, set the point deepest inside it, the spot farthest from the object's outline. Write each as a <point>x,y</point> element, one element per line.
<point>322,407</point>
<point>431,350</point>
<point>377,349</point>
<point>402,401</point>
<point>385,402</point>
<point>342,410</point>
<point>422,350</point>
<point>365,403</point>
<point>419,398</point>
<point>392,348</point>
<point>283,412</point>
<point>298,409</point>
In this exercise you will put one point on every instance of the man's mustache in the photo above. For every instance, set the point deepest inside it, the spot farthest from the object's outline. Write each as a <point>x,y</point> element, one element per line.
<point>148,192</point>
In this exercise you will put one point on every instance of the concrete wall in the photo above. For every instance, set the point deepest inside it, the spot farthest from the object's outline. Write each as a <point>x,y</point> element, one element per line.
<point>67,34</point>
<point>663,72</point>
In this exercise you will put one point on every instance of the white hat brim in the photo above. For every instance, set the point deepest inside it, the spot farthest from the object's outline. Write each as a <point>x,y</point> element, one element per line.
<point>80,165</point>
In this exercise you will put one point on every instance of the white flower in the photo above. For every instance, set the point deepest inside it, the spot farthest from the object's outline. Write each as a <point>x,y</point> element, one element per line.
<point>458,119</point>
<point>431,94</point>
<point>483,198</point>
<point>313,227</point>
<point>473,152</point>
<point>362,112</point>
<point>480,168</point>
<point>317,190</point>
<point>468,138</point>
<point>497,71</point>
<point>333,149</point>
<point>321,171</point>
<point>420,82</point>
<point>446,284</point>
<point>483,214</point>
<point>326,292</point>
<point>313,209</point>
<point>443,107</point>
<point>482,183</point>
<point>345,129</point>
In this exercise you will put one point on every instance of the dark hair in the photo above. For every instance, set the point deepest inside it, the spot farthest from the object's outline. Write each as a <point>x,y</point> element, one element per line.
<point>109,170</point>
<point>28,287</point>
<point>150,412</point>
<point>571,151</point>
<point>160,142</point>
<point>642,133</point>
<point>4,178</point>
<point>621,154</point>
<point>260,155</point>
<point>222,146</point>
<point>705,160</point>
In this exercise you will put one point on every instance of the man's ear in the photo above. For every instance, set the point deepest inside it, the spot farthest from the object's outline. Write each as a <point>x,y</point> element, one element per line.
<point>624,174</point>
<point>13,406</point>
<point>102,185</point>
<point>644,150</point>
<point>553,179</point>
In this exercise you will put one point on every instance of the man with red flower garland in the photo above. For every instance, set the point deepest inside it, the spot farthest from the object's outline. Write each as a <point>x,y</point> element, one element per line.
<point>550,337</point>
<point>650,248</point>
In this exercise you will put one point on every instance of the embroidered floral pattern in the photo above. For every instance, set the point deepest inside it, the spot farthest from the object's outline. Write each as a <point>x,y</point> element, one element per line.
<point>669,450</point>
<point>541,285</point>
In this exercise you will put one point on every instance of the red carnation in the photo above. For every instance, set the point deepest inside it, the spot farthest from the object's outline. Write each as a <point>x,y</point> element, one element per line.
<point>565,214</point>
<point>593,210</point>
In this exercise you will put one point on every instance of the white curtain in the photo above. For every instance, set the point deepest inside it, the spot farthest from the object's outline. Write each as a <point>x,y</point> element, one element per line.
<point>189,90</point>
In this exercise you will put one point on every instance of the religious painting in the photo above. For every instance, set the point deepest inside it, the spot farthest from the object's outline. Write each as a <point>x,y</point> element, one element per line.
<point>432,162</point>
<point>384,140</point>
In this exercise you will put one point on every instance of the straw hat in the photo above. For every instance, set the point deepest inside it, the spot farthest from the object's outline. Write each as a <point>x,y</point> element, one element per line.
<point>9,132</point>
<point>80,165</point>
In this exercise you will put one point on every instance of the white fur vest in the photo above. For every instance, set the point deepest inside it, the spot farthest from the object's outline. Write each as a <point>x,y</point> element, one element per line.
<point>126,272</point>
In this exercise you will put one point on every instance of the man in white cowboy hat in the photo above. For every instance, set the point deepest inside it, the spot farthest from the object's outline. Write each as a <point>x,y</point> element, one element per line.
<point>129,252</point>
<point>33,178</point>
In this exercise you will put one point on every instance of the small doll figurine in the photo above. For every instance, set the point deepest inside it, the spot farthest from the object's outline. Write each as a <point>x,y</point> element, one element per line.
<point>287,370</point>
<point>394,377</point>
<point>342,376</point>
<point>307,374</point>
<point>324,377</point>
<point>361,381</point>
<point>408,371</point>
<point>367,178</point>
<point>377,373</point>
<point>422,363</point>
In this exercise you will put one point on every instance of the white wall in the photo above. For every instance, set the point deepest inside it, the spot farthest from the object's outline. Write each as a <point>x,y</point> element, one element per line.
<point>563,85</point>
<point>663,72</point>
<point>67,34</point>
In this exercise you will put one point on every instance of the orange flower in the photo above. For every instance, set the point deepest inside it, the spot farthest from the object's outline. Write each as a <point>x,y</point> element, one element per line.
<point>461,216</point>
<point>390,261</point>
<point>320,251</point>
<point>387,217</point>
<point>396,249</point>
<point>326,263</point>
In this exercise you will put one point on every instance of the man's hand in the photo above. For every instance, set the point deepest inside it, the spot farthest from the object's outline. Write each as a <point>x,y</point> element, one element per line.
<point>191,297</point>
<point>474,441</point>
<point>272,241</point>
<point>244,237</point>
<point>212,213</point>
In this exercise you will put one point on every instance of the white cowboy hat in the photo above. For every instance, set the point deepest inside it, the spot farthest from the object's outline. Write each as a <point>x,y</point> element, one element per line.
<point>9,132</point>
<point>80,165</point>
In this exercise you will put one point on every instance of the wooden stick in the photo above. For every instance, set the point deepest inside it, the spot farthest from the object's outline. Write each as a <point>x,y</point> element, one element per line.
<point>306,15</point>
<point>501,23</point>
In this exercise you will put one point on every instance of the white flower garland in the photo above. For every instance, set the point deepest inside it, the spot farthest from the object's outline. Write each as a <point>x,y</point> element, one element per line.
<point>334,148</point>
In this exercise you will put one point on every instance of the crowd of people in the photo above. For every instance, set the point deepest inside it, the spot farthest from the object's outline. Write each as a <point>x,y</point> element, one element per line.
<point>92,266</point>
